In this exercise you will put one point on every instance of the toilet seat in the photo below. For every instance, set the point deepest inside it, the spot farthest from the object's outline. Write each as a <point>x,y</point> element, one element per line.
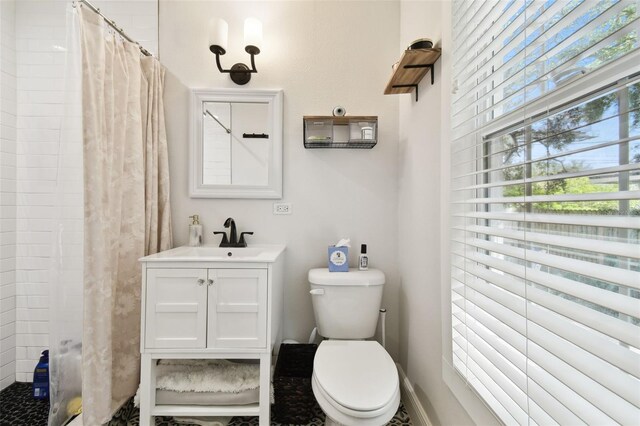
<point>357,374</point>
<point>356,382</point>
<point>322,397</point>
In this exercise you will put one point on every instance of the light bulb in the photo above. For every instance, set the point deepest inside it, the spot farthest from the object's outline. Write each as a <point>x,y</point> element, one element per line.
<point>253,33</point>
<point>218,33</point>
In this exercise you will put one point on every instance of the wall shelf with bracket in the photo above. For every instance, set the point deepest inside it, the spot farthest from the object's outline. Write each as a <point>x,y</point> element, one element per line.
<point>351,131</point>
<point>411,68</point>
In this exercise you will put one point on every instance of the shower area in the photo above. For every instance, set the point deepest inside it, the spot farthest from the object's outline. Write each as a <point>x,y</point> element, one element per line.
<point>77,173</point>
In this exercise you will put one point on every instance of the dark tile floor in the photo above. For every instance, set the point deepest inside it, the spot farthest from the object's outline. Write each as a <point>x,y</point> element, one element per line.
<point>18,408</point>
<point>129,416</point>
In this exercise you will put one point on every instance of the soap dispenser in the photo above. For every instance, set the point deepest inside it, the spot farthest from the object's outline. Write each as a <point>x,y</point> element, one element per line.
<point>195,231</point>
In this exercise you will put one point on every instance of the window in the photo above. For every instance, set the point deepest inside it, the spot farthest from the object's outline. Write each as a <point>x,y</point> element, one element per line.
<point>545,239</point>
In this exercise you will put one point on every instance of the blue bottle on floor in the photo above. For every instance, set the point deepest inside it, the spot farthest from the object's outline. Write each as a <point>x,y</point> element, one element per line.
<point>41,377</point>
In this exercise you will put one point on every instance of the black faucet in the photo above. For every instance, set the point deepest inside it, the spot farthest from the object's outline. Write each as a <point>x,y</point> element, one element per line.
<point>232,241</point>
<point>233,234</point>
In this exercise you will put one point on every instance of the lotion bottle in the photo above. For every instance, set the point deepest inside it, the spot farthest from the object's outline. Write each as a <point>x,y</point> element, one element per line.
<point>195,231</point>
<point>363,259</point>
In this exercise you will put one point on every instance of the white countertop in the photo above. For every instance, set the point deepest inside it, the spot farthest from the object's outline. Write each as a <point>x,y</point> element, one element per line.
<point>254,253</point>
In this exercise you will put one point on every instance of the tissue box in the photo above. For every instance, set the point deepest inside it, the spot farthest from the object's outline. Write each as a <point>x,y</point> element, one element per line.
<point>338,259</point>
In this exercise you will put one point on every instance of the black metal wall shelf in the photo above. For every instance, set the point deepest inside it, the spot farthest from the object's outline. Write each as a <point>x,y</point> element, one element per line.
<point>347,132</point>
<point>341,145</point>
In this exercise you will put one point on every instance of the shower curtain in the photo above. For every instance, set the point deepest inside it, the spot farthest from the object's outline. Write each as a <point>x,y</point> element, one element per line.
<point>65,278</point>
<point>126,212</point>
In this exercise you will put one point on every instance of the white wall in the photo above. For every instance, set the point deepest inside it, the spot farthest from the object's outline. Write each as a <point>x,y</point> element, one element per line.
<point>322,54</point>
<point>7,194</point>
<point>423,217</point>
<point>40,41</point>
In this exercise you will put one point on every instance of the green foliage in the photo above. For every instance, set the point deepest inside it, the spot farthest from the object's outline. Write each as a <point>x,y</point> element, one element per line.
<point>560,130</point>
<point>634,104</point>
<point>579,185</point>
<point>605,54</point>
<point>551,57</point>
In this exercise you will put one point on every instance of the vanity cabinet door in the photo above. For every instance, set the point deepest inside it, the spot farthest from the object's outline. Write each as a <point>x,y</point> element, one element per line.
<point>237,308</point>
<point>176,308</point>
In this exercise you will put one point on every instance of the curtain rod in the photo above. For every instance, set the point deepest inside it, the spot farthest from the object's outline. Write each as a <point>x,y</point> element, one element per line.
<point>113,25</point>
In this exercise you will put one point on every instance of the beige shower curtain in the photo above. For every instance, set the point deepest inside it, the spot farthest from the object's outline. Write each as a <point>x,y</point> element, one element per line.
<point>126,208</point>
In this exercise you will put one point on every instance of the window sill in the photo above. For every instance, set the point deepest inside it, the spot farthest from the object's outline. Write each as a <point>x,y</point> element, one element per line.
<point>468,399</point>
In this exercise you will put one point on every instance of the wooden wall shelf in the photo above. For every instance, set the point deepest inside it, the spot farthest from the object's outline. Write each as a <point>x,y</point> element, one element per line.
<point>413,66</point>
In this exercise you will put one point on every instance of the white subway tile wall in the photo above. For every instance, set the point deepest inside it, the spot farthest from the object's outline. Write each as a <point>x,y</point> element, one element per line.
<point>8,185</point>
<point>40,41</point>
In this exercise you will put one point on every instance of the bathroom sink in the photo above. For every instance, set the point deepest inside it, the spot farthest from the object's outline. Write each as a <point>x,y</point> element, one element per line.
<point>253,253</point>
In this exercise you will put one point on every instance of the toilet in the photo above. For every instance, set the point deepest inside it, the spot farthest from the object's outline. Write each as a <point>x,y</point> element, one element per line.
<point>355,381</point>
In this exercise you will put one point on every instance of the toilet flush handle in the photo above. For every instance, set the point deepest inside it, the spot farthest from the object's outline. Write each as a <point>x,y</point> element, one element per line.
<point>317,292</point>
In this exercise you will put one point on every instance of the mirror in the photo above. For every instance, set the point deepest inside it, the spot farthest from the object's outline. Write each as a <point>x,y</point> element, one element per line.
<point>236,144</point>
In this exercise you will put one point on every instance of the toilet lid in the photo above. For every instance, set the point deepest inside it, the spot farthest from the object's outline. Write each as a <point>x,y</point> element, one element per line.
<point>359,375</point>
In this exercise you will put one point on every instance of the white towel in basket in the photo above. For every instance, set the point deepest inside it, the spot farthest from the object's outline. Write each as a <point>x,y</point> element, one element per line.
<point>206,375</point>
<point>203,421</point>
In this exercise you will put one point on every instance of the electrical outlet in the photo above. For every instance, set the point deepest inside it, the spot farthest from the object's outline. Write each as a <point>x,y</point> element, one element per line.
<point>282,208</point>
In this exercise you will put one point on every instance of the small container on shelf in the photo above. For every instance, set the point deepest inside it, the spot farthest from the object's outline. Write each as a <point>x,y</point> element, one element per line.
<point>318,131</point>
<point>362,131</point>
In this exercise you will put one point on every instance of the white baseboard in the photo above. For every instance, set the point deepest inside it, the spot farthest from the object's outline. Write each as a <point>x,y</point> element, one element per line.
<point>411,402</point>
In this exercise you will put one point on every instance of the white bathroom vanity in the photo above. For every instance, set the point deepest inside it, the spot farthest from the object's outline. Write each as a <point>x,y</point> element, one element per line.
<point>210,303</point>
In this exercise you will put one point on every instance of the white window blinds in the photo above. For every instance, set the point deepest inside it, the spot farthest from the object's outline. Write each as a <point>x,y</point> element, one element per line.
<point>545,239</point>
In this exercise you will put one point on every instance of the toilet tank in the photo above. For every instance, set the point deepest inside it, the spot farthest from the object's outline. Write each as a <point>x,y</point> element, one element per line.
<point>346,305</point>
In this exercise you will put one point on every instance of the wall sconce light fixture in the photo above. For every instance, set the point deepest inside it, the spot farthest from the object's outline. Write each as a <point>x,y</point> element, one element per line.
<point>219,36</point>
